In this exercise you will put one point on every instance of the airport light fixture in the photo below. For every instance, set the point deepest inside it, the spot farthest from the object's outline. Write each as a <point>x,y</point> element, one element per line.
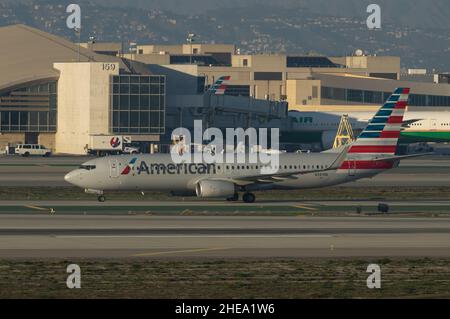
<point>133,50</point>
<point>190,39</point>
<point>78,33</point>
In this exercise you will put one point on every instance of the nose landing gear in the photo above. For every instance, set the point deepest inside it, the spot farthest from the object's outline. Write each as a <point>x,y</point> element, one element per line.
<point>101,199</point>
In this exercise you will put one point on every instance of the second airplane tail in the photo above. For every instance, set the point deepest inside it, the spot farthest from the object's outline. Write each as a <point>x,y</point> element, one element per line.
<point>219,87</point>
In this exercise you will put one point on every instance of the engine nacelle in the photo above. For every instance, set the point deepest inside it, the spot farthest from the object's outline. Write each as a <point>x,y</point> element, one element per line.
<point>215,189</point>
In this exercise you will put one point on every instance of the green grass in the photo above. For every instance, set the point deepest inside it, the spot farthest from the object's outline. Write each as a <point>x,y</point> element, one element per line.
<point>283,278</point>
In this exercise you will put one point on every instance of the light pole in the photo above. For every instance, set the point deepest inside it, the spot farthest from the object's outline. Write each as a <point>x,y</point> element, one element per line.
<point>78,32</point>
<point>133,50</point>
<point>190,39</point>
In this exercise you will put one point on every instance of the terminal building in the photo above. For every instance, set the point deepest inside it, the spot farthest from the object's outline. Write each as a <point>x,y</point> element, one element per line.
<point>305,82</point>
<point>57,93</point>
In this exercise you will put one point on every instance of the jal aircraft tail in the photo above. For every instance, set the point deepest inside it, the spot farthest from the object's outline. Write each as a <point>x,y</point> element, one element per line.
<point>376,146</point>
<point>219,87</point>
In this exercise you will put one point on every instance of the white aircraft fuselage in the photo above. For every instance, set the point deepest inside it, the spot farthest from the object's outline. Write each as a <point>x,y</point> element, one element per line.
<point>160,173</point>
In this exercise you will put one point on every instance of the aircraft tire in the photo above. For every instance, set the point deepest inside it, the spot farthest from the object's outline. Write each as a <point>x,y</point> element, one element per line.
<point>249,198</point>
<point>102,199</point>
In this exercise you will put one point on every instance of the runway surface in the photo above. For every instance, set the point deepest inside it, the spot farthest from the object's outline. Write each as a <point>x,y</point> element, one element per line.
<point>49,172</point>
<point>195,207</point>
<point>46,236</point>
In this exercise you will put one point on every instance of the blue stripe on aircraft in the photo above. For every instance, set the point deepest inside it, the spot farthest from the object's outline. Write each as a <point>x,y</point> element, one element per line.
<point>374,128</point>
<point>370,135</point>
<point>394,98</point>
<point>384,113</point>
<point>379,120</point>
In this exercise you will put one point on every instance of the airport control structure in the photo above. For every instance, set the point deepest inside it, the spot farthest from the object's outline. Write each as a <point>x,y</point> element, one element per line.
<point>59,94</point>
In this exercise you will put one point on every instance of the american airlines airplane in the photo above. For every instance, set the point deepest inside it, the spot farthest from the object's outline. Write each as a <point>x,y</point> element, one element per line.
<point>371,154</point>
<point>418,126</point>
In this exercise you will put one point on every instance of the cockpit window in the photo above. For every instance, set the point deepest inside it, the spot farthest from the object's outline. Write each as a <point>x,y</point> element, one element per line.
<point>88,167</point>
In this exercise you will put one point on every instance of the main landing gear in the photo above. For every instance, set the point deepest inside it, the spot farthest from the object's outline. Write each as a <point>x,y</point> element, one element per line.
<point>235,198</point>
<point>249,198</point>
<point>101,199</point>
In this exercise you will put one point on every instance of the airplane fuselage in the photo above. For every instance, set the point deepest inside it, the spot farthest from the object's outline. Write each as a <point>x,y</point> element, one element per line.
<point>160,173</point>
<point>321,127</point>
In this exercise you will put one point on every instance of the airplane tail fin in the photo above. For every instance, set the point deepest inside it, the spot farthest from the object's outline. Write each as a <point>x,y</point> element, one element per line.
<point>376,146</point>
<point>219,87</point>
<point>380,137</point>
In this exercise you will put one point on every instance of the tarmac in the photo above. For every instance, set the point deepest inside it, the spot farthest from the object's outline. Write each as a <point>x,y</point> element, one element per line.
<point>161,230</point>
<point>156,237</point>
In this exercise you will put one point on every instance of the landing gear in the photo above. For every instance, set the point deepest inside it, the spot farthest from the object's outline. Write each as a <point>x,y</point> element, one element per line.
<point>235,198</point>
<point>102,199</point>
<point>249,198</point>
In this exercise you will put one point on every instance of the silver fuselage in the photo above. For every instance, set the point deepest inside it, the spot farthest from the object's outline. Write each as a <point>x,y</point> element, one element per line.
<point>159,173</point>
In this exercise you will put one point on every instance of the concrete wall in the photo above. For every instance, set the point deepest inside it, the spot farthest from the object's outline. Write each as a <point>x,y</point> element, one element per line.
<point>7,139</point>
<point>303,93</point>
<point>161,59</point>
<point>83,104</point>
<point>48,140</point>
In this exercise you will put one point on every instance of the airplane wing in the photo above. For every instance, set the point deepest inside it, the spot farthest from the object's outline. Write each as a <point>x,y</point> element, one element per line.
<point>272,178</point>
<point>280,177</point>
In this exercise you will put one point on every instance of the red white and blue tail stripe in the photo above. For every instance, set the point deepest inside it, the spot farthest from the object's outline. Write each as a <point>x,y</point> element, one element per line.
<point>383,132</point>
<point>377,144</point>
<point>219,87</point>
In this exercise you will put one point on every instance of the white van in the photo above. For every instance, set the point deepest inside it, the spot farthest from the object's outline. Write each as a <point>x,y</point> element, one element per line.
<point>32,150</point>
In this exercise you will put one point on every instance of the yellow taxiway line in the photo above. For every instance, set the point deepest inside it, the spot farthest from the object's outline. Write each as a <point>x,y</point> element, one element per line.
<point>42,209</point>
<point>306,208</point>
<point>179,252</point>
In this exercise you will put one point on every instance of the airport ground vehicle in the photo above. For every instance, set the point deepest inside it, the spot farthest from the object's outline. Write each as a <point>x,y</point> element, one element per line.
<point>27,150</point>
<point>373,152</point>
<point>102,145</point>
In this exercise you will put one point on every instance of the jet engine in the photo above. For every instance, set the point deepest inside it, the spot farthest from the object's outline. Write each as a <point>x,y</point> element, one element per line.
<point>215,189</point>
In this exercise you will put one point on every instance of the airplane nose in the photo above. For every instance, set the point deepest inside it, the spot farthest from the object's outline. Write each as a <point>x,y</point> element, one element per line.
<point>71,177</point>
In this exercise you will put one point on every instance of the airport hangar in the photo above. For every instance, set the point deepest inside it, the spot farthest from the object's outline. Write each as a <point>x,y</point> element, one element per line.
<point>57,93</point>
